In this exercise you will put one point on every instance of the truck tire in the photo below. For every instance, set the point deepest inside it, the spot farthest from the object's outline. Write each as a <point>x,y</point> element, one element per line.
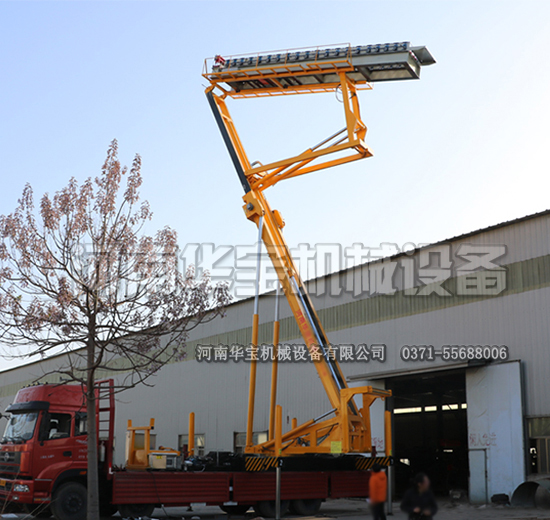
<point>306,507</point>
<point>238,510</point>
<point>70,502</point>
<point>135,510</point>
<point>266,508</point>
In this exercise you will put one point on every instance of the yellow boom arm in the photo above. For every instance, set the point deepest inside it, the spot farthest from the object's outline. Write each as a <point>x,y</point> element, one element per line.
<point>297,72</point>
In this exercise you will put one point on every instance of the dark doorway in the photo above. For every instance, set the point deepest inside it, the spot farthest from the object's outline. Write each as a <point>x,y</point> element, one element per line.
<point>430,430</point>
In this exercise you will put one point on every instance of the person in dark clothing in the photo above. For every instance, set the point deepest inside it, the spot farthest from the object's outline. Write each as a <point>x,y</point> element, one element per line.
<point>419,501</point>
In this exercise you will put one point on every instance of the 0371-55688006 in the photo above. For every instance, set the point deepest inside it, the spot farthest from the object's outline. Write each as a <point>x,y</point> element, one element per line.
<point>454,353</point>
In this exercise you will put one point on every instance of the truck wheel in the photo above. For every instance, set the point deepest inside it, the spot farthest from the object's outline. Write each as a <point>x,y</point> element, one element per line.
<point>307,507</point>
<point>266,508</point>
<point>70,502</point>
<point>235,510</point>
<point>135,510</point>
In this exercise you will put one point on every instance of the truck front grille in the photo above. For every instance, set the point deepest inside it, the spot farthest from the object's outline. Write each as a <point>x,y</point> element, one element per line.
<point>5,486</point>
<point>9,463</point>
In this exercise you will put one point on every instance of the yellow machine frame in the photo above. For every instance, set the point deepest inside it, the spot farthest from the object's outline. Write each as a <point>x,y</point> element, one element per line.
<point>138,458</point>
<point>349,429</point>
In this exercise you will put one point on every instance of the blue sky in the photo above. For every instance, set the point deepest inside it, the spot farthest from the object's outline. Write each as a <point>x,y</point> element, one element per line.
<point>463,148</point>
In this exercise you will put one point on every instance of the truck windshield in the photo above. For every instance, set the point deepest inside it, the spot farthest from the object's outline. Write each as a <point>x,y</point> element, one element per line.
<point>20,427</point>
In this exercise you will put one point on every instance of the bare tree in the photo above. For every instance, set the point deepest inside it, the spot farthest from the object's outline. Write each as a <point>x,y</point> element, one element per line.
<point>79,276</point>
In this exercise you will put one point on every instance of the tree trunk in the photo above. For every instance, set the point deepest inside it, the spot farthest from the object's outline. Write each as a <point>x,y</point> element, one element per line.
<point>93,474</point>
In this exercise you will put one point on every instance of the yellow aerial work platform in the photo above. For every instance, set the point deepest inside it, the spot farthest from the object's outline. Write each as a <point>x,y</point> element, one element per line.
<point>346,427</point>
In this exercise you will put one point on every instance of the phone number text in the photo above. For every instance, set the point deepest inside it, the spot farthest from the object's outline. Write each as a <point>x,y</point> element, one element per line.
<point>454,353</point>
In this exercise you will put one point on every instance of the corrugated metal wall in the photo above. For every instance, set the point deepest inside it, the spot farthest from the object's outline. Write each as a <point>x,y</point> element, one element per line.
<point>217,392</point>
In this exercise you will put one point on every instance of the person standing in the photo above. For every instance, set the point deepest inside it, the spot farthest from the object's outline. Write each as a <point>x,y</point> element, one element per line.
<point>378,490</point>
<point>419,501</point>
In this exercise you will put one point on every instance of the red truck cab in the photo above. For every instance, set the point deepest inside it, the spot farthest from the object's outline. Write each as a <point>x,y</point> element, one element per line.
<point>44,445</point>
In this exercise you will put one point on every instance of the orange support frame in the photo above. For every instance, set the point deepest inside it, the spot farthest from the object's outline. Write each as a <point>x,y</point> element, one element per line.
<point>138,458</point>
<point>348,431</point>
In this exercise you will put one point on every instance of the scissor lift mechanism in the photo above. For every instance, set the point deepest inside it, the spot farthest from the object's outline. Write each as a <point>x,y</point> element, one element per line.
<point>303,71</point>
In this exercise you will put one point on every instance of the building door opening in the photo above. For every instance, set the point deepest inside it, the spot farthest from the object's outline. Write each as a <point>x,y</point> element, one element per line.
<point>430,430</point>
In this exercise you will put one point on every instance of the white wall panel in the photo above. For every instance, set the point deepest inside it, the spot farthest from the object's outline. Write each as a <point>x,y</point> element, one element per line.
<point>495,426</point>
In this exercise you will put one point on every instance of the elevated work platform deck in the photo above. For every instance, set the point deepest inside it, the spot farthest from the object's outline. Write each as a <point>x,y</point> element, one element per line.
<point>315,69</point>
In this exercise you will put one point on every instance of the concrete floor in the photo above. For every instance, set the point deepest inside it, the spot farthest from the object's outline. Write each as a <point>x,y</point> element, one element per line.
<point>353,510</point>
<point>359,510</point>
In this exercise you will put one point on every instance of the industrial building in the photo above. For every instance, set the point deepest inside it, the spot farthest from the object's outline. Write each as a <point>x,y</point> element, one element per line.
<point>458,330</point>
